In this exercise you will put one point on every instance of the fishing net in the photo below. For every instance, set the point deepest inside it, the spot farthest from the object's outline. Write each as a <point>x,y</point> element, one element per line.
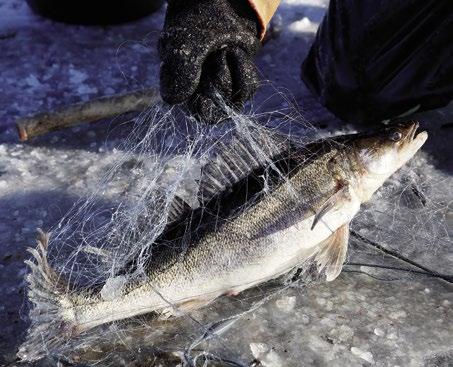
<point>105,241</point>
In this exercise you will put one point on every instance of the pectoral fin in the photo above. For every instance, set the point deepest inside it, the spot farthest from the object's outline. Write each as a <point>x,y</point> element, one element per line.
<point>332,252</point>
<point>330,203</point>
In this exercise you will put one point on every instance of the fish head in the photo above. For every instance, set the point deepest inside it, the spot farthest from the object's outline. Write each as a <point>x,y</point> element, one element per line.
<point>380,154</point>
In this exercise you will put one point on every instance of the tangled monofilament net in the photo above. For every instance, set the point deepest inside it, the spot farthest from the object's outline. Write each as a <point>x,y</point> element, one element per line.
<point>159,161</point>
<point>94,245</point>
<point>96,242</point>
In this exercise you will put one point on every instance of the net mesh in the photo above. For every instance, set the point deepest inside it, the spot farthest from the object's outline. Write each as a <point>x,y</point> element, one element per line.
<point>161,161</point>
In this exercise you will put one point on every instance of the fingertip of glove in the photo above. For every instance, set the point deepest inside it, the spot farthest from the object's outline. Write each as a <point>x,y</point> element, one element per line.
<point>170,97</point>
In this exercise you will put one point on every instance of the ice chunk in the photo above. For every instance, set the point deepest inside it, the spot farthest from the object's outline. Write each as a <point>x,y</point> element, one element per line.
<point>76,76</point>
<point>379,332</point>
<point>367,356</point>
<point>266,355</point>
<point>286,303</point>
<point>303,26</point>
<point>113,288</point>
<point>184,174</point>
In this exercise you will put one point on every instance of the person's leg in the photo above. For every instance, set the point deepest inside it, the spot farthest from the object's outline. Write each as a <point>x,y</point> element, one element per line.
<point>373,60</point>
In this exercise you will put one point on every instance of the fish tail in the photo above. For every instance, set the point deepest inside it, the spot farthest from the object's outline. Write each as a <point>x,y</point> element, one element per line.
<point>51,308</point>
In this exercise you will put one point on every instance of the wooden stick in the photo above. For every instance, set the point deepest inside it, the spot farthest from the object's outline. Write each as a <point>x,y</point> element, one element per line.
<point>94,110</point>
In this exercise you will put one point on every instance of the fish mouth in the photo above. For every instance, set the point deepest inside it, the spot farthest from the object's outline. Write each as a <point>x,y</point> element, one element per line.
<point>410,130</point>
<point>413,130</point>
<point>414,136</point>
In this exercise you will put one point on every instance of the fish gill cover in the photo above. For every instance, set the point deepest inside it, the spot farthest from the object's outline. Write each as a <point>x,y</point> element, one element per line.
<point>104,249</point>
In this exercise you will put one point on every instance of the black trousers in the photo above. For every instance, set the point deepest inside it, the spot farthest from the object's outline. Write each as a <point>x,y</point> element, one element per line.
<point>375,59</point>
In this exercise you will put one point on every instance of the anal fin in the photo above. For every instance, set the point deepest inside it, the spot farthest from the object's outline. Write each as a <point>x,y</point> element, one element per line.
<point>332,252</point>
<point>184,307</point>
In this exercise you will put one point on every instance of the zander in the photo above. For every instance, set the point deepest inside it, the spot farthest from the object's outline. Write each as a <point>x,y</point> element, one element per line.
<point>258,219</point>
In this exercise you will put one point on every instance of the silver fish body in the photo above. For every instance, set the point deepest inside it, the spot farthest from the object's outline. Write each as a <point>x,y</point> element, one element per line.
<point>304,215</point>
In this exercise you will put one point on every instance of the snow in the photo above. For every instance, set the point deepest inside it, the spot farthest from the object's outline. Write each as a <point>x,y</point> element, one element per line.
<point>190,169</point>
<point>379,332</point>
<point>286,304</point>
<point>303,26</point>
<point>33,82</point>
<point>266,356</point>
<point>367,356</point>
<point>354,320</point>
<point>113,288</point>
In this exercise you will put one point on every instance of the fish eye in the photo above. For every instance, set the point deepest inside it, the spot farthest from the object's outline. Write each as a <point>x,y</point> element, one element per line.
<point>396,136</point>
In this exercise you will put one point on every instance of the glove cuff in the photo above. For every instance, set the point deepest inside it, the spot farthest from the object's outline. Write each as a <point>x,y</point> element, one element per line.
<point>264,10</point>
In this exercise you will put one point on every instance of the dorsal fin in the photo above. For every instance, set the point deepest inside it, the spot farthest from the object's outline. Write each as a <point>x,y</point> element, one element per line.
<point>230,163</point>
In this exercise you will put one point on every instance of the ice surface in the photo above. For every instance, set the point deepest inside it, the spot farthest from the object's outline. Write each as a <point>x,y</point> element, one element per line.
<point>266,356</point>
<point>386,316</point>
<point>365,355</point>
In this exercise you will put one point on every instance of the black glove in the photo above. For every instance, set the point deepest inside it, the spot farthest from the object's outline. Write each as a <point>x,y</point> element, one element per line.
<point>207,47</point>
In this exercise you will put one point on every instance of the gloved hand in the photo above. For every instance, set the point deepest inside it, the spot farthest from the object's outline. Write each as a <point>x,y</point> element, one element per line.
<point>207,46</point>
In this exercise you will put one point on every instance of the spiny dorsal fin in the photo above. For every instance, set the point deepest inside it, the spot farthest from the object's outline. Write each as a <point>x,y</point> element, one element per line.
<point>332,252</point>
<point>232,162</point>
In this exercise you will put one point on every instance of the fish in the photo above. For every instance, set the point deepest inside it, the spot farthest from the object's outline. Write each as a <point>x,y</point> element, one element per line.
<point>258,219</point>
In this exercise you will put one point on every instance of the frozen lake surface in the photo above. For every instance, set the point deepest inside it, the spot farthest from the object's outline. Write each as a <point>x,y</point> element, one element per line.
<point>368,316</point>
